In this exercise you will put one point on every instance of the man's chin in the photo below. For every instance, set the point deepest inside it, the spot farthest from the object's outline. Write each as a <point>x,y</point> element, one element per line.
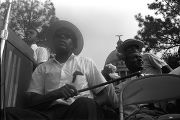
<point>61,51</point>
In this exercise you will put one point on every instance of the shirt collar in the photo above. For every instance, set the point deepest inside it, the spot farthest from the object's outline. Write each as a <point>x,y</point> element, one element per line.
<point>56,61</point>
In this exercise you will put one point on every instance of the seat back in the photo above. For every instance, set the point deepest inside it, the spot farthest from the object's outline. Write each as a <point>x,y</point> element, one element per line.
<point>152,88</point>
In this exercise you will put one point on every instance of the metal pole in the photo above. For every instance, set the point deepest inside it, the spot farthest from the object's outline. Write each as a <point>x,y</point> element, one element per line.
<point>4,32</point>
<point>3,37</point>
<point>119,36</point>
<point>108,82</point>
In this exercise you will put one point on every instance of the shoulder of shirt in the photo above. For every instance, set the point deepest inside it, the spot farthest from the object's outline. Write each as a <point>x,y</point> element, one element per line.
<point>43,66</point>
<point>150,55</point>
<point>82,58</point>
<point>50,61</point>
<point>41,48</point>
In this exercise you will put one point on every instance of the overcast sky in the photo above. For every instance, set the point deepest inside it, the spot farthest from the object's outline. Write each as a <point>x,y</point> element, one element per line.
<point>100,20</point>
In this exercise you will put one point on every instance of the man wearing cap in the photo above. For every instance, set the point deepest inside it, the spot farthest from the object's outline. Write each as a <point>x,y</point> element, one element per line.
<point>55,83</point>
<point>131,51</point>
<point>151,63</point>
<point>148,64</point>
<point>135,61</point>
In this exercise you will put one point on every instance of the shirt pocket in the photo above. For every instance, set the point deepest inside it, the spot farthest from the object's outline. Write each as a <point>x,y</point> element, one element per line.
<point>80,82</point>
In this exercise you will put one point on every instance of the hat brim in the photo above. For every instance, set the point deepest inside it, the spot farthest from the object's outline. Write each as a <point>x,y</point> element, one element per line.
<point>113,57</point>
<point>130,42</point>
<point>65,24</point>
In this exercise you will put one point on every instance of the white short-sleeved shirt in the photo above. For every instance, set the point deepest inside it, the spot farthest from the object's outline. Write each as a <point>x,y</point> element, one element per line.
<point>52,75</point>
<point>42,54</point>
<point>152,64</point>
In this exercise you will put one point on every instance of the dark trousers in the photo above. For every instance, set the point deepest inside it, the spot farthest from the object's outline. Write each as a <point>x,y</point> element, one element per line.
<point>13,113</point>
<point>81,109</point>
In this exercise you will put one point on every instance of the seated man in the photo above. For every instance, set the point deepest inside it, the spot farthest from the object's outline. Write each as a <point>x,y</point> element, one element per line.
<point>131,50</point>
<point>41,54</point>
<point>54,91</point>
<point>151,63</point>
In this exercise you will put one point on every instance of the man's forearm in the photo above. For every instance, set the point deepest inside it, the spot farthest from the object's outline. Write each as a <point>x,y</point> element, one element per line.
<point>112,96</point>
<point>108,97</point>
<point>41,101</point>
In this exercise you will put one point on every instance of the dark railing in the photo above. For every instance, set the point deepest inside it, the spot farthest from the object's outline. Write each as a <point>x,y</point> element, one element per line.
<point>17,67</point>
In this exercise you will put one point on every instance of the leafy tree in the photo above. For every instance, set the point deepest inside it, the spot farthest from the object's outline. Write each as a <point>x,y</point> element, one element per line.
<point>42,34</point>
<point>172,60</point>
<point>28,14</point>
<point>162,32</point>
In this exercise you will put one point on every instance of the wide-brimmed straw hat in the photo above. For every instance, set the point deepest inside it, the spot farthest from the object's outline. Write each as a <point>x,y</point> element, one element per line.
<point>62,24</point>
<point>130,42</point>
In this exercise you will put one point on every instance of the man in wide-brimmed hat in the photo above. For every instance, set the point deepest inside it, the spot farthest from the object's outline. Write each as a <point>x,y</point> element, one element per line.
<point>57,81</point>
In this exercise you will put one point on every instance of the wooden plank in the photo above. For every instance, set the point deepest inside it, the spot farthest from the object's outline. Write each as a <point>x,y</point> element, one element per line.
<point>16,82</point>
<point>8,73</point>
<point>11,86</point>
